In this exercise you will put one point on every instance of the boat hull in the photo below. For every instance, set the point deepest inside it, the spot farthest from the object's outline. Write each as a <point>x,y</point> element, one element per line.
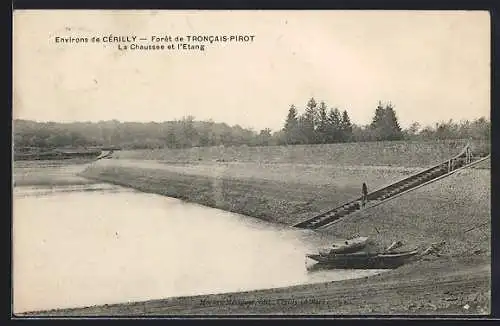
<point>364,260</point>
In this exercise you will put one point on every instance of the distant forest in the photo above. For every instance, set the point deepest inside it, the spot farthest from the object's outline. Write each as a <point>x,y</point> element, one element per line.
<point>317,124</point>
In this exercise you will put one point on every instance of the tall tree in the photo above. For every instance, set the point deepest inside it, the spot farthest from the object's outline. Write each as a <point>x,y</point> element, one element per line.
<point>291,129</point>
<point>392,123</point>
<point>378,118</point>
<point>322,124</point>
<point>385,125</point>
<point>346,127</point>
<point>308,121</point>
<point>291,119</point>
<point>334,126</point>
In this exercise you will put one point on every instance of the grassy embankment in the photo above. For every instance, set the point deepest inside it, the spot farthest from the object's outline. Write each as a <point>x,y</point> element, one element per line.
<point>397,153</point>
<point>287,184</point>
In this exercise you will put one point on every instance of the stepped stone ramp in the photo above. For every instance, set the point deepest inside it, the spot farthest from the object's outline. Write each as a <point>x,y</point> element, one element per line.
<point>446,168</point>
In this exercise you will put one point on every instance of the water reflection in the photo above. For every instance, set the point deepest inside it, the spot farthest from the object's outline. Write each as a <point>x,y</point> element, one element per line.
<point>84,245</point>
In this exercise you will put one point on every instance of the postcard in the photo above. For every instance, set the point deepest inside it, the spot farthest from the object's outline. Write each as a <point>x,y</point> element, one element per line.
<point>251,162</point>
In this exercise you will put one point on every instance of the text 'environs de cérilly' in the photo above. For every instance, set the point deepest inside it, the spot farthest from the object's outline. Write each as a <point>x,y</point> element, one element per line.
<point>155,42</point>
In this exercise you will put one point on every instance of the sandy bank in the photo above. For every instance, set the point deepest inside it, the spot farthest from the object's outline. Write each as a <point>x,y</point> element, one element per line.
<point>455,209</point>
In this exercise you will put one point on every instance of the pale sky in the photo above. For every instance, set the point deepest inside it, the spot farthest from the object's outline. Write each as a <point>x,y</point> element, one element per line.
<point>432,66</point>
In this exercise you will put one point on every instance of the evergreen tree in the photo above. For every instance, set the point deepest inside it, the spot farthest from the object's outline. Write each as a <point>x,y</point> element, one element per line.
<point>334,126</point>
<point>385,125</point>
<point>378,119</point>
<point>291,119</point>
<point>291,129</point>
<point>346,127</point>
<point>308,121</point>
<point>392,123</point>
<point>311,109</point>
<point>322,124</point>
<point>304,133</point>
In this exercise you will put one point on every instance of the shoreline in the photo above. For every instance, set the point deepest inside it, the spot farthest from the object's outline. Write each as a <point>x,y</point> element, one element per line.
<point>460,202</point>
<point>288,193</point>
<point>405,291</point>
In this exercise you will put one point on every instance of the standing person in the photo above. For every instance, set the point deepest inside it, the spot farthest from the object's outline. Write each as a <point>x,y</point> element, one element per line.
<point>364,199</point>
<point>468,154</point>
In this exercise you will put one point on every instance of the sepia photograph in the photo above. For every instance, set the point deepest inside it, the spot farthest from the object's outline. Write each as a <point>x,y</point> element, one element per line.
<point>251,163</point>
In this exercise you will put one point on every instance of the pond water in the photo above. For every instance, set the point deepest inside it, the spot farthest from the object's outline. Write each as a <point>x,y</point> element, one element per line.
<point>89,244</point>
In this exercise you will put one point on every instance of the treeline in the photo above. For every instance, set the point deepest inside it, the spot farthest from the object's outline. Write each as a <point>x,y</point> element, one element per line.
<point>317,124</point>
<point>320,125</point>
<point>182,133</point>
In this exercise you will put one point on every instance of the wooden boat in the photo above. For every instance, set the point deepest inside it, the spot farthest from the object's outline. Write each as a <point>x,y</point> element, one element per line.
<point>363,260</point>
<point>349,246</point>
